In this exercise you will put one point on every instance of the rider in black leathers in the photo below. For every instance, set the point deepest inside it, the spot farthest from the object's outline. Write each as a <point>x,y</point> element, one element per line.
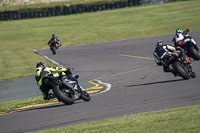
<point>54,40</point>
<point>162,50</point>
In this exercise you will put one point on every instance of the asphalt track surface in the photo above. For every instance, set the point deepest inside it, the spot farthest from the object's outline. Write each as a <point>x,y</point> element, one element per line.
<point>137,85</point>
<point>22,88</point>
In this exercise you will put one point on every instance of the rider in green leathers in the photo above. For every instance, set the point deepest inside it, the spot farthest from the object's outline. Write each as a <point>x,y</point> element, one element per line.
<point>43,70</point>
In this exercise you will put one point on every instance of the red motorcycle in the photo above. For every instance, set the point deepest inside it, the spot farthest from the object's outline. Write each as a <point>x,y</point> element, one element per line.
<point>53,46</point>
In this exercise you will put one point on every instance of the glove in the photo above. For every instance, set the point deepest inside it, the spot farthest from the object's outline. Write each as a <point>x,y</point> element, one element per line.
<point>56,47</point>
<point>68,68</point>
<point>67,71</point>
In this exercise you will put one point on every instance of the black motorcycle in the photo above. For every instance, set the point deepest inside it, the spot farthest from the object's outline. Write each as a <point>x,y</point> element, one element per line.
<point>181,69</point>
<point>66,90</point>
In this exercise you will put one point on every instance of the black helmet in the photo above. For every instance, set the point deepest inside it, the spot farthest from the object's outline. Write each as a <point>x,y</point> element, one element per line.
<point>53,35</point>
<point>41,64</point>
<point>159,43</point>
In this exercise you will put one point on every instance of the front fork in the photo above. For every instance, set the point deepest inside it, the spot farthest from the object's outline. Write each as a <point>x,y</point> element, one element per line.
<point>74,86</point>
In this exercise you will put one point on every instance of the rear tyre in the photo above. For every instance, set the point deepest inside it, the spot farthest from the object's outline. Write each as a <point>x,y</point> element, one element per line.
<point>194,53</point>
<point>53,49</point>
<point>63,96</point>
<point>181,70</point>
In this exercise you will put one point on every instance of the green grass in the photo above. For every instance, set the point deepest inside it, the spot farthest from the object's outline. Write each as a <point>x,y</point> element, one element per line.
<point>177,120</point>
<point>20,37</point>
<point>11,105</point>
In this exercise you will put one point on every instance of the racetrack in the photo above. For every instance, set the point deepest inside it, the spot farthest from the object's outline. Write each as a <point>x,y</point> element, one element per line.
<point>137,85</point>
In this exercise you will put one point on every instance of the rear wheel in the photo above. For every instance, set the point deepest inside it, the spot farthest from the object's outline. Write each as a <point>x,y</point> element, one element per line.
<point>194,53</point>
<point>179,68</point>
<point>53,49</point>
<point>63,95</point>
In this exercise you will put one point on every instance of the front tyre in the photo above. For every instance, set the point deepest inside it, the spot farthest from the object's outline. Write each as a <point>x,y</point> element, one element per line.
<point>180,70</point>
<point>63,96</point>
<point>85,96</point>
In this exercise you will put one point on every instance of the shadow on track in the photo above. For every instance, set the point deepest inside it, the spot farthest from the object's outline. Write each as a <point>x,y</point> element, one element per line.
<point>55,105</point>
<point>160,82</point>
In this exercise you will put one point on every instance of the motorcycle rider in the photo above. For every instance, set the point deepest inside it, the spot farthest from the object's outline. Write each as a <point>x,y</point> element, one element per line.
<point>182,38</point>
<point>54,40</point>
<point>162,51</point>
<point>43,70</point>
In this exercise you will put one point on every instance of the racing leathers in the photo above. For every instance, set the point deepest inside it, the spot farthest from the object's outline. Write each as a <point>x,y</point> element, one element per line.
<point>40,72</point>
<point>54,41</point>
<point>160,55</point>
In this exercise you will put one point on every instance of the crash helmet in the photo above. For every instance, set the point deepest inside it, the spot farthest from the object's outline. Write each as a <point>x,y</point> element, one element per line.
<point>53,35</point>
<point>178,31</point>
<point>159,43</point>
<point>41,64</point>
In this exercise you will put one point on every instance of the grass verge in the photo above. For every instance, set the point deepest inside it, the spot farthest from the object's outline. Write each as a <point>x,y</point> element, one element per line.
<point>11,105</point>
<point>176,120</point>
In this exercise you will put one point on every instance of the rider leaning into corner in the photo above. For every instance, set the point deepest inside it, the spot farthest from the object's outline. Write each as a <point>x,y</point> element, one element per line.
<point>54,40</point>
<point>181,38</point>
<point>162,50</point>
<point>43,70</point>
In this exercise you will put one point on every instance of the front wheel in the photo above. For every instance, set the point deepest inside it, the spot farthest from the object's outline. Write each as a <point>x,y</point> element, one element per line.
<point>179,68</point>
<point>63,95</point>
<point>85,96</point>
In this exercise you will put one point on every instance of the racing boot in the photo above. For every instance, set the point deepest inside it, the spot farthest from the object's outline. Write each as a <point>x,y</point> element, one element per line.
<point>192,74</point>
<point>45,97</point>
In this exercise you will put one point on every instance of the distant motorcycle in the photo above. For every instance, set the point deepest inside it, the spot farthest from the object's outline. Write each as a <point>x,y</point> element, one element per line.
<point>191,50</point>
<point>53,46</point>
<point>182,69</point>
<point>65,90</point>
